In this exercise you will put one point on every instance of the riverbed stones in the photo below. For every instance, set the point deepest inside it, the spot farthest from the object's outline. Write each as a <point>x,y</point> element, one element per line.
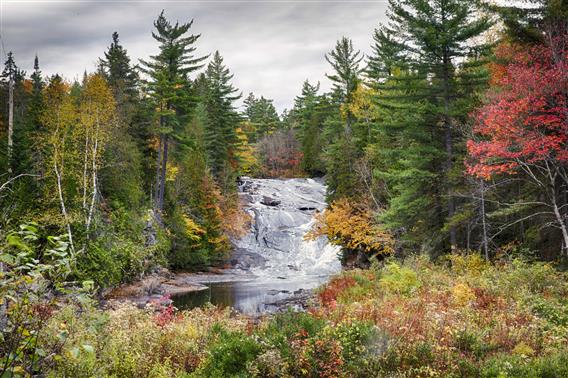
<point>268,201</point>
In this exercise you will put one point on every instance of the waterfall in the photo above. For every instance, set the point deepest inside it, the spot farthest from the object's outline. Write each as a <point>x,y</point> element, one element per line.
<point>273,267</point>
<point>282,211</point>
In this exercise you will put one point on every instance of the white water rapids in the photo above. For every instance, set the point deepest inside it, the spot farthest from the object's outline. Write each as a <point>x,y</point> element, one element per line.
<point>282,212</point>
<point>272,266</point>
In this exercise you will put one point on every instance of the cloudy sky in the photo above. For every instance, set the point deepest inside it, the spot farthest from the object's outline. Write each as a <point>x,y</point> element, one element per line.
<point>270,46</point>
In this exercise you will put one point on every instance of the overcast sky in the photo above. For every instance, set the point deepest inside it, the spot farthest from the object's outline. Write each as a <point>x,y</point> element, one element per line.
<point>270,46</point>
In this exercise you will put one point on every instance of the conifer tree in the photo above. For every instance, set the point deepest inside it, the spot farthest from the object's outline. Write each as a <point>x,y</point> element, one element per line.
<point>119,73</point>
<point>342,154</point>
<point>35,108</point>
<point>345,62</point>
<point>168,87</point>
<point>437,39</point>
<point>262,115</point>
<point>222,118</point>
<point>309,118</point>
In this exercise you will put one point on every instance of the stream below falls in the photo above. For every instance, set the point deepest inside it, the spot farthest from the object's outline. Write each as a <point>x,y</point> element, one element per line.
<point>272,263</point>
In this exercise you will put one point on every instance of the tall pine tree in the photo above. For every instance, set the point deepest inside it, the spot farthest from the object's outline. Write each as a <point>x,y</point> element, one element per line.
<point>168,86</point>
<point>440,41</point>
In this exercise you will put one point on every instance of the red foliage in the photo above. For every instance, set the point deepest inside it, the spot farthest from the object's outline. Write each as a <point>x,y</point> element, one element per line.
<point>328,296</point>
<point>166,313</point>
<point>525,120</point>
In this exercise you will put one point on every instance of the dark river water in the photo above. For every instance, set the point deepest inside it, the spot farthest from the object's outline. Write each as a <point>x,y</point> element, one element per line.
<point>249,297</point>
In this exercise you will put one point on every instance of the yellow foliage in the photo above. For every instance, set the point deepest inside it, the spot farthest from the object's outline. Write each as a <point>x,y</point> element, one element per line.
<point>246,153</point>
<point>192,229</point>
<point>352,226</point>
<point>468,264</point>
<point>462,294</point>
<point>236,221</point>
<point>362,105</point>
<point>171,172</point>
<point>522,349</point>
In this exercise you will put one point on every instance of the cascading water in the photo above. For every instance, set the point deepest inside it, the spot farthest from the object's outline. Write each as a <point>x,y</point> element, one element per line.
<point>273,266</point>
<point>282,212</point>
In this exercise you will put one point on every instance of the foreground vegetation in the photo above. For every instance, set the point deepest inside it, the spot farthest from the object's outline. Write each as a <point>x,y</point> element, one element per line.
<point>452,135</point>
<point>460,317</point>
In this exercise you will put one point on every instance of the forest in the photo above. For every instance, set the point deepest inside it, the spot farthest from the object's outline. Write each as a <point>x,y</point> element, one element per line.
<point>445,158</point>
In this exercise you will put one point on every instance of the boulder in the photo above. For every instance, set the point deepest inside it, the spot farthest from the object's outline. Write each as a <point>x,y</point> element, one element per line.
<point>268,201</point>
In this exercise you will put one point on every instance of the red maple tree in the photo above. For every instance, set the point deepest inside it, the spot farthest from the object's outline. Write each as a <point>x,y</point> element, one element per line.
<point>524,124</point>
<point>525,121</point>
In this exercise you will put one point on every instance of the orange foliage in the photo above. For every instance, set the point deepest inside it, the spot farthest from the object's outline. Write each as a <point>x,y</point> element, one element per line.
<point>328,296</point>
<point>236,221</point>
<point>354,227</point>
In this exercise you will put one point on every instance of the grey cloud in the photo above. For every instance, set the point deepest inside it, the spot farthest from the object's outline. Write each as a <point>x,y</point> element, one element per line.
<point>271,47</point>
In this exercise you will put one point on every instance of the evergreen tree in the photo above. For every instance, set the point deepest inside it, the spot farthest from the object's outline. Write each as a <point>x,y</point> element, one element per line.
<point>168,86</point>
<point>310,122</point>
<point>35,108</point>
<point>119,73</point>
<point>222,120</point>
<point>342,154</point>
<point>535,23</point>
<point>386,54</point>
<point>262,115</point>
<point>345,62</point>
<point>437,42</point>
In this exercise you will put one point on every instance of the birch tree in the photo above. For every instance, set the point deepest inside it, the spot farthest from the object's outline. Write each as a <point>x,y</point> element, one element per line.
<point>97,117</point>
<point>58,117</point>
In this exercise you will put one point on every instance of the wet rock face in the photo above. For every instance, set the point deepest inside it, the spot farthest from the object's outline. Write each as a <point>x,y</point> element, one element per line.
<point>267,201</point>
<point>282,212</point>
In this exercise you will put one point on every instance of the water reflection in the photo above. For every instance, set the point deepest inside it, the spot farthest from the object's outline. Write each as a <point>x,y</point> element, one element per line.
<point>252,297</point>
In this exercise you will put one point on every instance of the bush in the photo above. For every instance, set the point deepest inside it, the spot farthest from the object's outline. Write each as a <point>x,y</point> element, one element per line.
<point>230,355</point>
<point>411,319</point>
<point>398,280</point>
<point>503,366</point>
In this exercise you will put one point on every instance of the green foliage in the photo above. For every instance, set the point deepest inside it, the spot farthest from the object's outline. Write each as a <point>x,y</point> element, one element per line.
<point>230,355</point>
<point>262,116</point>
<point>398,280</point>
<point>284,327</point>
<point>555,365</point>
<point>33,268</point>
<point>222,120</point>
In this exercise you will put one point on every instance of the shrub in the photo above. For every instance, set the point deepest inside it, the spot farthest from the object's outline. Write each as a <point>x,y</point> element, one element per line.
<point>230,355</point>
<point>398,280</point>
<point>353,227</point>
<point>290,326</point>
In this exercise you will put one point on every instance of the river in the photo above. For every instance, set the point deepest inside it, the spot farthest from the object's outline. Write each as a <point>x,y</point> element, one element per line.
<point>272,262</point>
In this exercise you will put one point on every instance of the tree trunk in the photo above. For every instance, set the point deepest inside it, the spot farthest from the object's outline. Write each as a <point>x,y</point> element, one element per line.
<point>449,147</point>
<point>85,165</point>
<point>94,193</point>
<point>62,204</point>
<point>158,175</point>
<point>10,121</point>
<point>163,175</point>
<point>484,223</point>
<point>561,222</point>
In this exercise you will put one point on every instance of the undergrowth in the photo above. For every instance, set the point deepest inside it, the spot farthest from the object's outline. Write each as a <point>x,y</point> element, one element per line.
<point>459,318</point>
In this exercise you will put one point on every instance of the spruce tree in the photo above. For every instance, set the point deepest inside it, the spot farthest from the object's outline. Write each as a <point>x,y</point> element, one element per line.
<point>119,73</point>
<point>263,116</point>
<point>309,118</point>
<point>33,123</point>
<point>222,119</point>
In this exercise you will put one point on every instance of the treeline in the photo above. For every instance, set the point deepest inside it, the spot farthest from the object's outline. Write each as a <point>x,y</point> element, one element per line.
<point>452,134</point>
<point>136,164</point>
